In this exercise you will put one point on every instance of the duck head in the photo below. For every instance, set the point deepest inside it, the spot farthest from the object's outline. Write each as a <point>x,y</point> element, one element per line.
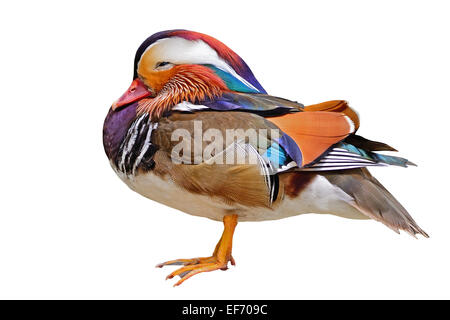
<point>179,65</point>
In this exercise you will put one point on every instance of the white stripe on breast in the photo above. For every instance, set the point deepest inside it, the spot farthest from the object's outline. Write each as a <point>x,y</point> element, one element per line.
<point>151,127</point>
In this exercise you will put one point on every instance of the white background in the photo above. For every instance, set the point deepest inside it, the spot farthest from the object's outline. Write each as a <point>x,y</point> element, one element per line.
<point>69,228</point>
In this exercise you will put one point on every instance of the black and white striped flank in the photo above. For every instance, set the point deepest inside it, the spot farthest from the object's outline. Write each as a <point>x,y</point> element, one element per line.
<point>136,150</point>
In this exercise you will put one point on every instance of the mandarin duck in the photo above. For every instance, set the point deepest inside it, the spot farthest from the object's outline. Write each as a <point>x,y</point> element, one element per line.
<point>196,125</point>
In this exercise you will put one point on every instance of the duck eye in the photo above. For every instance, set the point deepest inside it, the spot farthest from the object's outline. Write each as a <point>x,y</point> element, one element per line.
<point>161,64</point>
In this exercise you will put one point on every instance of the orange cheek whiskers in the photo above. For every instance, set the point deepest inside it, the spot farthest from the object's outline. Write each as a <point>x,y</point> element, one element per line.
<point>189,83</point>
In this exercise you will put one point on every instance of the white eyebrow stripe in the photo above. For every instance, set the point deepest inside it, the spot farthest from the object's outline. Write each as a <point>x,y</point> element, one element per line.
<point>178,50</point>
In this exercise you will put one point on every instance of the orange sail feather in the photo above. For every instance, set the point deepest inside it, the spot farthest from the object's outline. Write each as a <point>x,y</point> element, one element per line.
<point>336,106</point>
<point>314,132</point>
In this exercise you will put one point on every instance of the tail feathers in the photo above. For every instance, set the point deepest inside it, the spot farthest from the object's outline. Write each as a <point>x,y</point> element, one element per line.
<point>377,157</point>
<point>374,201</point>
<point>392,160</point>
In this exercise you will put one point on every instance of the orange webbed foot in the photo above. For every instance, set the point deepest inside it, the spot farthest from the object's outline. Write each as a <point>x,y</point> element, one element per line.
<point>218,261</point>
<point>194,266</point>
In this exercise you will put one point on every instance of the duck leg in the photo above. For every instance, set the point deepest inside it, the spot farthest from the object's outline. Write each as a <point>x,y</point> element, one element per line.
<point>219,259</point>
